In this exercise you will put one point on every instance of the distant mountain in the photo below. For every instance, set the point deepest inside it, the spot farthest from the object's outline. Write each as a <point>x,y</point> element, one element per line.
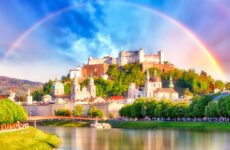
<point>19,85</point>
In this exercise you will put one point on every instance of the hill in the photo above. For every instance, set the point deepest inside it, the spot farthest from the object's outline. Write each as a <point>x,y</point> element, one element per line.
<point>19,85</point>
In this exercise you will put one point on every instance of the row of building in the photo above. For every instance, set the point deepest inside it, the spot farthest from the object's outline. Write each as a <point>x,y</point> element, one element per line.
<point>87,97</point>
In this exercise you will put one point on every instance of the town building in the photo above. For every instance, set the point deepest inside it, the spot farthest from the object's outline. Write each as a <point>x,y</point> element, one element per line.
<point>153,88</point>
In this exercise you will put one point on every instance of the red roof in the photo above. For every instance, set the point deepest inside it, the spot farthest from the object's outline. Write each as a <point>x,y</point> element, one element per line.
<point>12,90</point>
<point>116,97</point>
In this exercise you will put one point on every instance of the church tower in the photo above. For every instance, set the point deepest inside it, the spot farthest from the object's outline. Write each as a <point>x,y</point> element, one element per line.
<point>29,98</point>
<point>92,87</point>
<point>75,89</point>
<point>147,91</point>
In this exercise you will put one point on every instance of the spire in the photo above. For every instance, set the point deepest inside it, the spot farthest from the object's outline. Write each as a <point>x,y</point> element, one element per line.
<point>91,79</point>
<point>28,92</point>
<point>171,85</point>
<point>75,79</point>
<point>147,75</point>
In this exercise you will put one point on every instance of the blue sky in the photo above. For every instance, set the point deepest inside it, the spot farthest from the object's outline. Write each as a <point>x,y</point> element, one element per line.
<point>101,28</point>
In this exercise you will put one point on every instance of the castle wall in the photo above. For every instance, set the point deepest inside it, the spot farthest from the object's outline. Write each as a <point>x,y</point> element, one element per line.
<point>97,70</point>
<point>127,57</point>
<point>107,60</point>
<point>152,59</point>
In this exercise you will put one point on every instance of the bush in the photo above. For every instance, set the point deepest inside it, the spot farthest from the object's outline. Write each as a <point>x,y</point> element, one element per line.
<point>78,110</point>
<point>63,112</point>
<point>100,113</point>
<point>92,112</point>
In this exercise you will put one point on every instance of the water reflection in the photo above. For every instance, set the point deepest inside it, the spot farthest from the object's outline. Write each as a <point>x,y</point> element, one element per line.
<point>119,139</point>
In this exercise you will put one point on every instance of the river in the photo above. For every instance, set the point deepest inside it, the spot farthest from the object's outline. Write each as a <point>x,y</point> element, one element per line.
<point>129,139</point>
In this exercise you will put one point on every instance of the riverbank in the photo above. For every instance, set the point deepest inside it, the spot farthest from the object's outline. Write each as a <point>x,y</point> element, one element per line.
<point>29,138</point>
<point>66,123</point>
<point>171,125</point>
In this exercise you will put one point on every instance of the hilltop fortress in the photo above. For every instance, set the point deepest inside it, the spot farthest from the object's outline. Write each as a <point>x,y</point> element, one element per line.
<point>99,66</point>
<point>128,57</point>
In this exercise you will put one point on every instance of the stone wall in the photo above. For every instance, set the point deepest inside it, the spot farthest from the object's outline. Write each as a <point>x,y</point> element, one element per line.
<point>152,59</point>
<point>97,70</point>
<point>43,110</point>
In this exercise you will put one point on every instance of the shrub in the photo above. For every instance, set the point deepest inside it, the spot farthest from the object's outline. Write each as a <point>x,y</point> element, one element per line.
<point>78,110</point>
<point>63,112</point>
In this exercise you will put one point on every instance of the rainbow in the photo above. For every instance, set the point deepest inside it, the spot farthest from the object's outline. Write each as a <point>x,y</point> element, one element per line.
<point>186,30</point>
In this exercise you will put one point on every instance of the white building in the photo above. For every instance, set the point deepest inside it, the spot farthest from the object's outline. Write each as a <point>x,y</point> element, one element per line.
<point>153,88</point>
<point>29,98</point>
<point>46,98</point>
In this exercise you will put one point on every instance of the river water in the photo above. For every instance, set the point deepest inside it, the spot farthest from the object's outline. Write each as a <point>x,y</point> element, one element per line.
<point>129,139</point>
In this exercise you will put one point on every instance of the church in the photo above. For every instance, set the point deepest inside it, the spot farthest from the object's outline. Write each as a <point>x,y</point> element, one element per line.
<point>153,88</point>
<point>77,94</point>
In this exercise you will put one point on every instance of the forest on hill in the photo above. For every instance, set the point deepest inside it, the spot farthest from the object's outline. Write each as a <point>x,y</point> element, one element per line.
<point>186,82</point>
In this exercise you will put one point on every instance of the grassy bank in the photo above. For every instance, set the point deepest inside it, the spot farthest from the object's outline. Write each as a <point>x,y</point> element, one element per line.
<point>65,123</point>
<point>172,125</point>
<point>27,139</point>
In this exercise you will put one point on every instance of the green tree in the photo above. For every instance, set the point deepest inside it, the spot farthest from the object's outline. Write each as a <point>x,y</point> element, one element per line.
<point>219,84</point>
<point>227,86</point>
<point>222,107</point>
<point>47,87</point>
<point>199,108</point>
<point>78,110</point>
<point>211,110</point>
<point>67,88</point>
<point>37,95</point>
<point>100,113</point>
<point>11,112</point>
<point>92,112</point>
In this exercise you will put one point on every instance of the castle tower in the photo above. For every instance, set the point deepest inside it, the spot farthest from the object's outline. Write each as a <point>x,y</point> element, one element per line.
<point>141,55</point>
<point>122,59</point>
<point>89,60</point>
<point>29,98</point>
<point>161,55</point>
<point>12,94</point>
<point>92,87</point>
<point>171,85</point>
<point>75,89</point>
